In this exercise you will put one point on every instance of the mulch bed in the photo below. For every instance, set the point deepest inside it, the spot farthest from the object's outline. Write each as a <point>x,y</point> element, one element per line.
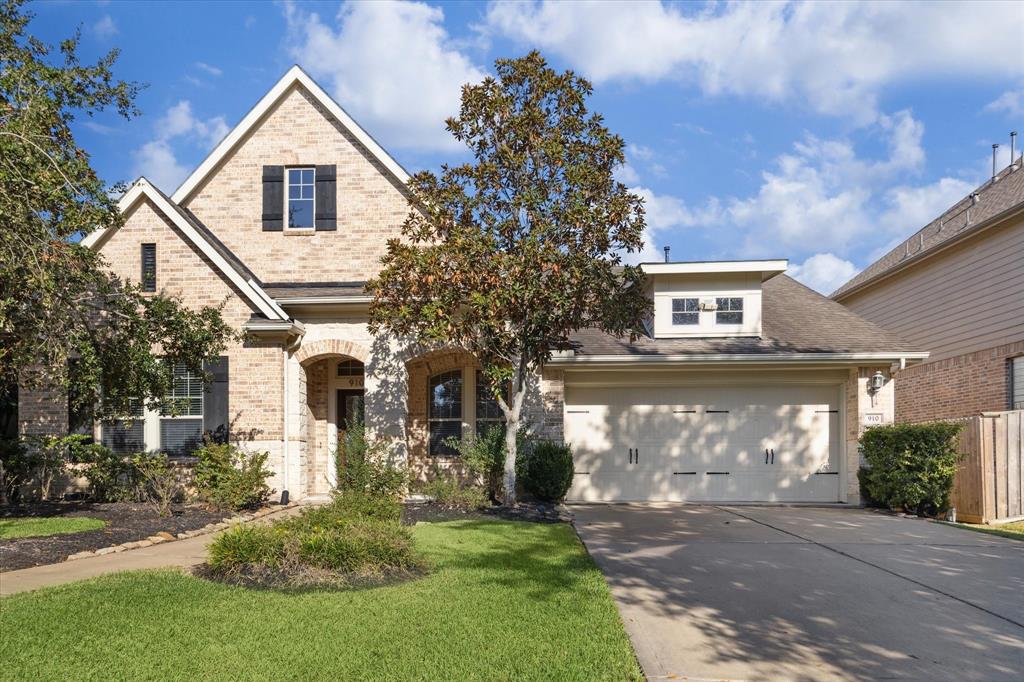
<point>535,512</point>
<point>126,522</point>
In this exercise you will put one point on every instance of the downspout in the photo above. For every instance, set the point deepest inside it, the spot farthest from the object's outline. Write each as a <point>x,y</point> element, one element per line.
<point>284,428</point>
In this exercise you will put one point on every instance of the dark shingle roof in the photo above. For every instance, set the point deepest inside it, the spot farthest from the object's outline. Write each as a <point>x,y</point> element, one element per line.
<point>795,319</point>
<point>282,291</point>
<point>994,198</point>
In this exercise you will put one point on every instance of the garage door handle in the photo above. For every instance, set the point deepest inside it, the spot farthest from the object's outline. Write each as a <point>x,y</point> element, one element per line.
<point>637,456</point>
<point>717,473</point>
<point>766,455</point>
<point>631,455</point>
<point>773,455</point>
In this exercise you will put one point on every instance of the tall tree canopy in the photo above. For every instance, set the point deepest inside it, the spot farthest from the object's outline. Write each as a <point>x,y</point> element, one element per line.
<point>508,255</point>
<point>65,321</point>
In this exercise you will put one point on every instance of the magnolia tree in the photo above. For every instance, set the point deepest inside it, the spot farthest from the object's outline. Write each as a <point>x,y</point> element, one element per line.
<point>65,321</point>
<point>506,256</point>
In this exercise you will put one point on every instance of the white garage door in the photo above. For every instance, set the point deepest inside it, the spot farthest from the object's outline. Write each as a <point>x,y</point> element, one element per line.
<point>714,443</point>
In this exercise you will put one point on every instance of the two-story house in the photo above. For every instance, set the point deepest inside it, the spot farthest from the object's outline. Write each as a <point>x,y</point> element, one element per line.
<point>956,289</point>
<point>748,386</point>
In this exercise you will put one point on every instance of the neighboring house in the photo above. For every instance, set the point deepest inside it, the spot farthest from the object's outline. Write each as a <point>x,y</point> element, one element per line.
<point>749,386</point>
<point>956,289</point>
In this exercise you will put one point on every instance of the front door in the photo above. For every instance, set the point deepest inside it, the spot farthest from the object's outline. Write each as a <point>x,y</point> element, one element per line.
<point>350,412</point>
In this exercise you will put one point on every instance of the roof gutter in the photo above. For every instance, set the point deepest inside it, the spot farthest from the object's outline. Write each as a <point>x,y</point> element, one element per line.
<point>323,300</point>
<point>920,256</point>
<point>275,327</point>
<point>730,358</point>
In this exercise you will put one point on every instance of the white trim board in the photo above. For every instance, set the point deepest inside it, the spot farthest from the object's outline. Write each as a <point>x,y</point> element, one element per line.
<point>295,75</point>
<point>144,189</point>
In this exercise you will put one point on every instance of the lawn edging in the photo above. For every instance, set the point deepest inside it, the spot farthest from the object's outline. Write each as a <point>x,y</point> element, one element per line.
<point>164,536</point>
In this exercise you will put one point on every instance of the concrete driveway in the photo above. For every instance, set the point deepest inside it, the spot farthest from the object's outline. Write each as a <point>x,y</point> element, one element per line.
<point>714,592</point>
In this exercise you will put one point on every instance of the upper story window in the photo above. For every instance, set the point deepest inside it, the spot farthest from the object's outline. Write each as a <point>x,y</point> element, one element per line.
<point>730,310</point>
<point>300,188</point>
<point>685,311</point>
<point>148,267</point>
<point>444,417</point>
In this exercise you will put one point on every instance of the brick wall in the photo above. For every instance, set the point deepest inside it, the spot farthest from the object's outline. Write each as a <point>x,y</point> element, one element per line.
<point>297,131</point>
<point>960,386</point>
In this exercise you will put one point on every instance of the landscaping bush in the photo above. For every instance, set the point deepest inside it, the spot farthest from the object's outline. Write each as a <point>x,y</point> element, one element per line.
<point>447,491</point>
<point>356,536</point>
<point>16,467</point>
<point>367,466</point>
<point>545,469</point>
<point>159,481</point>
<point>910,465</point>
<point>230,478</point>
<point>112,477</point>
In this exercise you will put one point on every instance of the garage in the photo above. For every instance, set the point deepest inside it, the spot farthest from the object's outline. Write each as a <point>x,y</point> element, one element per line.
<point>770,442</point>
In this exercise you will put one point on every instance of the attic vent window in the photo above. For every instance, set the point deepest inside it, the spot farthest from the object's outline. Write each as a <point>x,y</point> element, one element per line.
<point>685,311</point>
<point>148,275</point>
<point>300,197</point>
<point>730,310</point>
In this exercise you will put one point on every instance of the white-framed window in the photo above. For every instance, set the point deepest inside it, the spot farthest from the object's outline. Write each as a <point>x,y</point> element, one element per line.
<point>350,368</point>
<point>176,429</point>
<point>488,412</point>
<point>1017,383</point>
<point>444,412</point>
<point>685,311</point>
<point>729,310</point>
<point>181,423</point>
<point>300,190</point>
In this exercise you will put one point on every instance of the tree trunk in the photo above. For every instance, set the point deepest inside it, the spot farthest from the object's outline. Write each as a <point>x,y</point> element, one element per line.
<point>513,414</point>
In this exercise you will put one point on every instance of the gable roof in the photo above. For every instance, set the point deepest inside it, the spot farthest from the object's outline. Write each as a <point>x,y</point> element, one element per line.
<point>991,203</point>
<point>201,237</point>
<point>797,324</point>
<point>294,76</point>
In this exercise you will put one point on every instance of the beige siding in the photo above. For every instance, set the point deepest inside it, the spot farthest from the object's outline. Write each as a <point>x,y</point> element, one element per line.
<point>968,298</point>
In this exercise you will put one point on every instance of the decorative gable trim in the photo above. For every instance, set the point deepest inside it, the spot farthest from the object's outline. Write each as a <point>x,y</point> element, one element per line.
<point>250,288</point>
<point>295,75</point>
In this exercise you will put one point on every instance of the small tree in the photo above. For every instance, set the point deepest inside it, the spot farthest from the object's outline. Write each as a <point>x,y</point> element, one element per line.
<point>58,300</point>
<point>508,255</point>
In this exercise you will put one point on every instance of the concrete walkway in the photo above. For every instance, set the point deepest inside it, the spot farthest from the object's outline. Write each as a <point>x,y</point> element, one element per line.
<point>178,554</point>
<point>802,593</point>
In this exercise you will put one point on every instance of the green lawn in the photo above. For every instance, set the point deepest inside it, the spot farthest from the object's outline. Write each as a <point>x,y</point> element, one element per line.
<point>46,525</point>
<point>503,601</point>
<point>1013,530</point>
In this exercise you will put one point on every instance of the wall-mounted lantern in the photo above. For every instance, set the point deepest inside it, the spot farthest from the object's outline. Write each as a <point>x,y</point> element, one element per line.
<point>875,384</point>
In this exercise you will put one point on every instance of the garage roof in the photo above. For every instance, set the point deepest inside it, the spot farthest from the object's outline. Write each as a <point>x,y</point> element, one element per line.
<point>795,321</point>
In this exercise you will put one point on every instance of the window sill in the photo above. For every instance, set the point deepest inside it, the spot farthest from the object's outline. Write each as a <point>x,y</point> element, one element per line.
<point>299,231</point>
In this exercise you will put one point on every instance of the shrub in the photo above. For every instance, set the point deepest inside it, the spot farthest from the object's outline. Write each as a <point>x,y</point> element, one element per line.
<point>367,466</point>
<point>447,491</point>
<point>484,456</point>
<point>910,465</point>
<point>230,478</point>
<point>545,469</point>
<point>112,477</point>
<point>355,535</point>
<point>159,481</point>
<point>16,468</point>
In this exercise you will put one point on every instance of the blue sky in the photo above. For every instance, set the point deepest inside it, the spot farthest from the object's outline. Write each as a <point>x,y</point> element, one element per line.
<point>820,132</point>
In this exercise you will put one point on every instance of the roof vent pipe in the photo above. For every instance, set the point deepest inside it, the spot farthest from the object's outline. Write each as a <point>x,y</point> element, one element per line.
<point>995,150</point>
<point>1013,148</point>
<point>667,248</point>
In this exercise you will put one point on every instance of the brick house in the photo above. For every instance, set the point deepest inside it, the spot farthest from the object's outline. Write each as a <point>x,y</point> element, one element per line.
<point>749,386</point>
<point>956,289</point>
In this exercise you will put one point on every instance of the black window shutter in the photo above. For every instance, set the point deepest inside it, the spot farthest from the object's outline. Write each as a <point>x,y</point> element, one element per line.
<point>216,421</point>
<point>273,198</point>
<point>326,198</point>
<point>148,267</point>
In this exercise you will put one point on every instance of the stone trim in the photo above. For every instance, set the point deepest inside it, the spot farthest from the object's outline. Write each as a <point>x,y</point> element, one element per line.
<point>317,349</point>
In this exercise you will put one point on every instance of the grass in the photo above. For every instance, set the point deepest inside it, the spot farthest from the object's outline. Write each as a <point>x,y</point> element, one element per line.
<point>503,601</point>
<point>1014,531</point>
<point>32,526</point>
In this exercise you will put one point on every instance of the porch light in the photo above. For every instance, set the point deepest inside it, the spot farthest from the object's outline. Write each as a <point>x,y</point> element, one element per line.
<point>876,382</point>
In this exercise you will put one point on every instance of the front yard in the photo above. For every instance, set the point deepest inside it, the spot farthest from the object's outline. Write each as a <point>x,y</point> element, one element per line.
<point>503,600</point>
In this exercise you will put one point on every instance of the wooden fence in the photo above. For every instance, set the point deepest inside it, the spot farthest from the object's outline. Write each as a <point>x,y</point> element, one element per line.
<point>989,485</point>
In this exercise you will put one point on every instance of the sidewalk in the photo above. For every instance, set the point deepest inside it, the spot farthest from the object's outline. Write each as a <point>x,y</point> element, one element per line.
<point>177,554</point>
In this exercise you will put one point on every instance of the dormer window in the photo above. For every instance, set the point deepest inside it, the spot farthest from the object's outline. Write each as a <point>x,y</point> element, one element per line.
<point>685,311</point>
<point>729,311</point>
<point>300,197</point>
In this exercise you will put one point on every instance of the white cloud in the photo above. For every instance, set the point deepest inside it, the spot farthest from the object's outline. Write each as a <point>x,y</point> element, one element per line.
<point>157,160</point>
<point>823,272</point>
<point>209,68</point>
<point>626,174</point>
<point>836,57</point>
<point>1010,103</point>
<point>105,28</point>
<point>392,64</point>
<point>664,214</point>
